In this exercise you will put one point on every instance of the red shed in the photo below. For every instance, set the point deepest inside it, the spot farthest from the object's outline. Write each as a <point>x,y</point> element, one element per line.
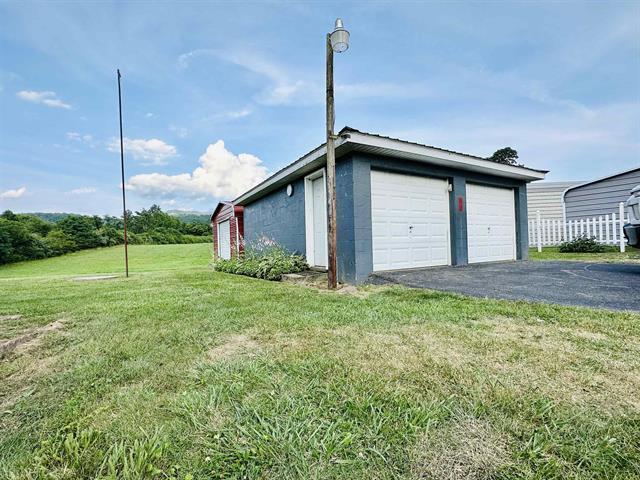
<point>228,229</point>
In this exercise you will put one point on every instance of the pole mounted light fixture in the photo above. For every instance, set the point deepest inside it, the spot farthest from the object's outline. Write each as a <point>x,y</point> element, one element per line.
<point>337,41</point>
<point>339,37</point>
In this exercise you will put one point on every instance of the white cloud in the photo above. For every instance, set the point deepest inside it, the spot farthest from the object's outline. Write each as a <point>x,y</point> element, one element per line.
<point>87,139</point>
<point>221,174</point>
<point>149,115</point>
<point>151,152</point>
<point>230,115</point>
<point>17,193</point>
<point>82,191</point>
<point>181,132</point>
<point>50,99</point>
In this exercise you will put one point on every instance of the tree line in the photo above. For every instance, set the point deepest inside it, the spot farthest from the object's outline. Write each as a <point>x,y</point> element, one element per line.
<point>27,237</point>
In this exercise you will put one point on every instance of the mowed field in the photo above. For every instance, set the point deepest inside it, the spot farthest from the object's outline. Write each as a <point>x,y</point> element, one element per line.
<point>182,372</point>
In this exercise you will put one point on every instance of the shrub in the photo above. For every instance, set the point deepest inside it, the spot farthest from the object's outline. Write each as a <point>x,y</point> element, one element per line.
<point>17,243</point>
<point>582,244</point>
<point>59,242</point>
<point>82,229</point>
<point>266,261</point>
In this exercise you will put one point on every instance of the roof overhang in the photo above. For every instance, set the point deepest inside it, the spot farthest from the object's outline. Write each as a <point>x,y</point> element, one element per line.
<point>353,140</point>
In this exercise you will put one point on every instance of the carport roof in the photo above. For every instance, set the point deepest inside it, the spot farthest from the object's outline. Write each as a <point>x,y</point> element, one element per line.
<point>349,139</point>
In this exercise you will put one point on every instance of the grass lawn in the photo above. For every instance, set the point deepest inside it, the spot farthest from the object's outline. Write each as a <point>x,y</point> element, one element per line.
<point>551,253</point>
<point>181,372</point>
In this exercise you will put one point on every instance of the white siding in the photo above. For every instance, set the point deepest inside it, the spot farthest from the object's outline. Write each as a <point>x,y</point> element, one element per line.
<point>547,198</point>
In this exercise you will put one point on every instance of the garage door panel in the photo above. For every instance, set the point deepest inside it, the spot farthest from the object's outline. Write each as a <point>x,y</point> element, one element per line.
<point>403,201</point>
<point>490,223</point>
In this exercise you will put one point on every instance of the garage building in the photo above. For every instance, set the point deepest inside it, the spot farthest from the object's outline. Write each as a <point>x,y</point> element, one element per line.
<point>227,228</point>
<point>400,205</point>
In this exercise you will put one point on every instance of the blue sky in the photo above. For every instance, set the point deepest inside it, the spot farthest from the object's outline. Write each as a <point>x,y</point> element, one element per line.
<point>217,95</point>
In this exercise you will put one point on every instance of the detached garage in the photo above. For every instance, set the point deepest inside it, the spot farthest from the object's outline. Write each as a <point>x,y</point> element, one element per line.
<point>400,205</point>
<point>227,228</point>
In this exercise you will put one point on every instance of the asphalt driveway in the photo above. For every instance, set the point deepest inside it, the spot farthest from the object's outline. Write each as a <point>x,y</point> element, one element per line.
<point>597,285</point>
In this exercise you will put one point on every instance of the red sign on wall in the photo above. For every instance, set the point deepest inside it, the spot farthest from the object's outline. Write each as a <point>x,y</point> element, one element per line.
<point>460,204</point>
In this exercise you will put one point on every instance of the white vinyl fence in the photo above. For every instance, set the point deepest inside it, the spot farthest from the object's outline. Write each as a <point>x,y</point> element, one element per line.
<point>607,229</point>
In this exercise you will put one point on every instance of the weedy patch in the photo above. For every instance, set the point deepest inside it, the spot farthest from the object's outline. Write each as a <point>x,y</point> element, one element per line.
<point>466,448</point>
<point>233,346</point>
<point>29,339</point>
<point>87,453</point>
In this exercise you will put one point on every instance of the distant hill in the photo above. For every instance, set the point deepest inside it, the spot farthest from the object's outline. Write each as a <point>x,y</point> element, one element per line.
<point>50,217</point>
<point>191,217</point>
<point>185,215</point>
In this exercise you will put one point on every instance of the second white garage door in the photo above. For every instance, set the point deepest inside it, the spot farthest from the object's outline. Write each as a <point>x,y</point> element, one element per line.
<point>491,223</point>
<point>410,221</point>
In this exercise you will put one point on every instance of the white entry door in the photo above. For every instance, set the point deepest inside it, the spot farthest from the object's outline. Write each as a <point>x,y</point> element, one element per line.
<point>410,221</point>
<point>491,223</point>
<point>316,219</point>
<point>224,240</point>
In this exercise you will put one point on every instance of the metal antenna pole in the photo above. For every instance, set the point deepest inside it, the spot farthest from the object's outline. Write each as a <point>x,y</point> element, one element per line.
<point>124,203</point>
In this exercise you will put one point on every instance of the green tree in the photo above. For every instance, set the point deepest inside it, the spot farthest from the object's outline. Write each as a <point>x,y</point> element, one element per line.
<point>59,242</point>
<point>34,224</point>
<point>154,218</point>
<point>506,156</point>
<point>17,243</point>
<point>9,215</point>
<point>82,230</point>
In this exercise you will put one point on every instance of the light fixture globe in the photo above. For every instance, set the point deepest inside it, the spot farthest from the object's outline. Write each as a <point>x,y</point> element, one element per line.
<point>339,37</point>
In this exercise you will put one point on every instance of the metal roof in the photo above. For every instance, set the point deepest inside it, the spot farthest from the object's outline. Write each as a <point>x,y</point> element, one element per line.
<point>599,180</point>
<point>350,139</point>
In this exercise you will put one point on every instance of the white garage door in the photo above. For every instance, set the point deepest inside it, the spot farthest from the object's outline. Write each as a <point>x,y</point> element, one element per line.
<point>224,240</point>
<point>491,223</point>
<point>410,221</point>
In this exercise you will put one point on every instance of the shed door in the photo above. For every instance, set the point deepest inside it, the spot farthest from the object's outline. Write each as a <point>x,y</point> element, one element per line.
<point>224,240</point>
<point>410,221</point>
<point>491,223</point>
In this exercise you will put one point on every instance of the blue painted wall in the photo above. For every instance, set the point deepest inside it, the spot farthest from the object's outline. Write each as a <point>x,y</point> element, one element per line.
<point>278,217</point>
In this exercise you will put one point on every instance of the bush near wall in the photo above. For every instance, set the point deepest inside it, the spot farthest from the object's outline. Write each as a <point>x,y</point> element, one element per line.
<point>268,262</point>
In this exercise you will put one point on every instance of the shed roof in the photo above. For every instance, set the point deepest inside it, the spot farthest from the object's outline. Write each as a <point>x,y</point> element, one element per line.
<point>349,139</point>
<point>219,207</point>
<point>601,179</point>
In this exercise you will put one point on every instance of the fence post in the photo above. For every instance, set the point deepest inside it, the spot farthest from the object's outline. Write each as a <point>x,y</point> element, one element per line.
<point>538,231</point>
<point>621,208</point>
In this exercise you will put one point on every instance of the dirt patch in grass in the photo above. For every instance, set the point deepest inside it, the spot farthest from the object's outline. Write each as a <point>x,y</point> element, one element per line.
<point>9,317</point>
<point>466,448</point>
<point>576,366</point>
<point>233,346</point>
<point>28,340</point>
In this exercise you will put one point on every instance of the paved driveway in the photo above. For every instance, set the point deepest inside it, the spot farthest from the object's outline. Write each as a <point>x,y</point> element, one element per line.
<point>599,285</point>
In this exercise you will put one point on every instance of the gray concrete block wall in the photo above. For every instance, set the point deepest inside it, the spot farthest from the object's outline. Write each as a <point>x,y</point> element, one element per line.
<point>458,218</point>
<point>522,226</point>
<point>353,196</point>
<point>278,217</point>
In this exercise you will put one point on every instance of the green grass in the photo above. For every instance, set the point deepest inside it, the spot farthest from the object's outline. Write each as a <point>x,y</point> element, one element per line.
<point>552,253</point>
<point>181,372</point>
<point>142,258</point>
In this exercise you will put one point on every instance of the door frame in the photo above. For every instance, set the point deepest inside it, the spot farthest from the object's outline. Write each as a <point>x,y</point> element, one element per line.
<point>309,215</point>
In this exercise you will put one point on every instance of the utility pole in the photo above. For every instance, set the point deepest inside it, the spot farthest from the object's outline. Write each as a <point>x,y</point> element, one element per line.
<point>332,267</point>
<point>337,41</point>
<point>124,203</point>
